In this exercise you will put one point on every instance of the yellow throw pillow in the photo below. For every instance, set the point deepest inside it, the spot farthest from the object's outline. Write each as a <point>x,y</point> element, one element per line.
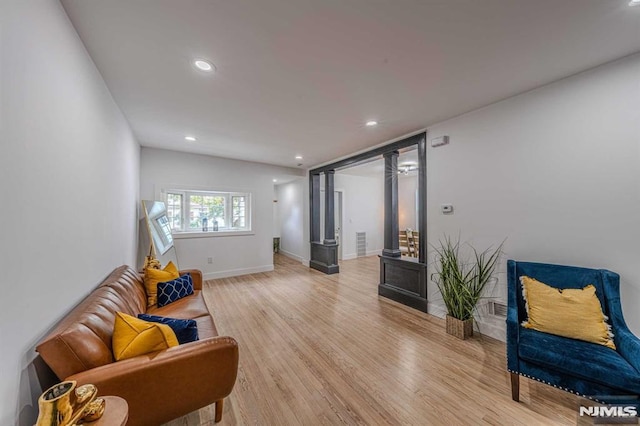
<point>154,276</point>
<point>133,337</point>
<point>571,312</point>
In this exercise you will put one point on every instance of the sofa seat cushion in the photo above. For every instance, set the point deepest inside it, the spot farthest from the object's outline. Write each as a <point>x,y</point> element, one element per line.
<point>588,361</point>
<point>189,307</point>
<point>206,327</point>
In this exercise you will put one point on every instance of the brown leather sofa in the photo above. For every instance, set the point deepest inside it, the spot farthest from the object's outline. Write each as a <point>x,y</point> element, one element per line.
<point>159,386</point>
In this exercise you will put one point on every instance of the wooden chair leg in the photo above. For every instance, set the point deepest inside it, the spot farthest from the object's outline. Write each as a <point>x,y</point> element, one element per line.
<point>515,387</point>
<point>219,405</point>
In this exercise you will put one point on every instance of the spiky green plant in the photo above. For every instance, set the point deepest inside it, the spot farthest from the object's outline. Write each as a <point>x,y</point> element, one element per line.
<point>461,282</point>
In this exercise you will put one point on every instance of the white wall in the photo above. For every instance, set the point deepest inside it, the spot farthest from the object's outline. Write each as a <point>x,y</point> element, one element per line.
<point>69,174</point>
<point>276,213</point>
<point>407,187</point>
<point>363,211</point>
<point>556,171</point>
<point>291,218</point>
<point>232,255</point>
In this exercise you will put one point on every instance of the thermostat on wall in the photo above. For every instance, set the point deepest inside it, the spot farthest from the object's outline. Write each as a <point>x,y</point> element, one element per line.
<point>442,140</point>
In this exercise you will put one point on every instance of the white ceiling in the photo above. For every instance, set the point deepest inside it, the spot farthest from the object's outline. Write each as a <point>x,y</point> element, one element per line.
<point>302,76</point>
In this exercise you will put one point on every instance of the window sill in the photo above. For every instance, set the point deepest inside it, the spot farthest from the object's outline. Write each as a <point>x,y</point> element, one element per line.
<point>210,234</point>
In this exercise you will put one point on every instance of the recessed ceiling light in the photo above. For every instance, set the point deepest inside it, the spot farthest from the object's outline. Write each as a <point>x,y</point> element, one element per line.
<point>634,3</point>
<point>190,138</point>
<point>371,123</point>
<point>203,65</point>
<point>298,157</point>
<point>275,180</point>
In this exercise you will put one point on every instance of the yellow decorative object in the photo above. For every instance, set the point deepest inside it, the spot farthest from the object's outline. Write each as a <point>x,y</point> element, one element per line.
<point>150,262</point>
<point>154,276</point>
<point>94,410</point>
<point>133,337</point>
<point>64,404</point>
<point>571,312</point>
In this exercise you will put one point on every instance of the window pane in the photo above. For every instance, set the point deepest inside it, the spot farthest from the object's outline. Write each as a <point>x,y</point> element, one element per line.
<point>165,233</point>
<point>239,211</point>
<point>206,212</point>
<point>174,210</point>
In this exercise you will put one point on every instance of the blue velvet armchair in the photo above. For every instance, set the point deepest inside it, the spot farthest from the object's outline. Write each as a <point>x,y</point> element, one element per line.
<point>586,369</point>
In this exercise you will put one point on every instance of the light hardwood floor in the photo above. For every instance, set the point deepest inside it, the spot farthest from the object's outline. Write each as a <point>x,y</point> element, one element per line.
<point>326,349</point>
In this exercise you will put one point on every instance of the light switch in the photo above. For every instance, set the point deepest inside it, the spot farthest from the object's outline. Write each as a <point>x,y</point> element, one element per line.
<point>446,208</point>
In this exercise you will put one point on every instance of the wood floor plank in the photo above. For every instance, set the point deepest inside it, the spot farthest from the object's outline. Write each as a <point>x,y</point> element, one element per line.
<point>327,350</point>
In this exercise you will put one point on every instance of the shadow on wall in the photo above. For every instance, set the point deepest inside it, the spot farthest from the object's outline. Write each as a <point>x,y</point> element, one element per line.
<point>629,295</point>
<point>34,378</point>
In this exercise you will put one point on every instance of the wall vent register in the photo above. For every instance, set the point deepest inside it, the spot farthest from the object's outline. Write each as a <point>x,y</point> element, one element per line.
<point>498,309</point>
<point>361,244</point>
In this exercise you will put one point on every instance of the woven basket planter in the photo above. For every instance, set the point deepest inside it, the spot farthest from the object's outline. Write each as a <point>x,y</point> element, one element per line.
<point>460,329</point>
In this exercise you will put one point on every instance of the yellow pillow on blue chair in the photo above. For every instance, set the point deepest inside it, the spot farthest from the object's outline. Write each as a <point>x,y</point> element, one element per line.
<point>133,337</point>
<point>571,312</point>
<point>154,276</point>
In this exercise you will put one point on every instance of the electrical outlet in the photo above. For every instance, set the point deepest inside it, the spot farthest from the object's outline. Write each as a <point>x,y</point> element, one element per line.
<point>209,259</point>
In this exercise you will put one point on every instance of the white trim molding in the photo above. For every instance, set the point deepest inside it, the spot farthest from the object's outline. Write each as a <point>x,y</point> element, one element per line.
<point>236,272</point>
<point>291,255</point>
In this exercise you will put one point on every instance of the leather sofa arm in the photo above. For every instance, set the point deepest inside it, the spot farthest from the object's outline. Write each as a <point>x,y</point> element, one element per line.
<point>196,276</point>
<point>160,386</point>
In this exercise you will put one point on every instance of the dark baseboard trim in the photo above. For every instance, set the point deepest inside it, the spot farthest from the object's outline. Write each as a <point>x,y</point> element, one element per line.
<point>403,297</point>
<point>323,267</point>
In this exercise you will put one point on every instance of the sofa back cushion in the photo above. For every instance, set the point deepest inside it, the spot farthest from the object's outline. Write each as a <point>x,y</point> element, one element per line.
<point>82,340</point>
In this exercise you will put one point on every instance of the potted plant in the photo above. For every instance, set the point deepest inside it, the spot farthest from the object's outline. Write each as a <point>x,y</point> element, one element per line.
<point>462,281</point>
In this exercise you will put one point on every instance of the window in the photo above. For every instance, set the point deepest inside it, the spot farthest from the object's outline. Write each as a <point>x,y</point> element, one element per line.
<point>238,211</point>
<point>204,211</point>
<point>174,210</point>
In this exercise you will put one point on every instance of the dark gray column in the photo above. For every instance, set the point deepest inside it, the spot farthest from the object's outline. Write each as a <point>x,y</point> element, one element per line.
<point>391,226</point>
<point>422,199</point>
<point>329,213</point>
<point>314,202</point>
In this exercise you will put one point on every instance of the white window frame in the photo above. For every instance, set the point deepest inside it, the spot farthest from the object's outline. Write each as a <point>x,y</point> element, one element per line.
<point>186,232</point>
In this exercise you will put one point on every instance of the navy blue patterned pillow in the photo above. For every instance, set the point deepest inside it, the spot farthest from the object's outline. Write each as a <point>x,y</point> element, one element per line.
<point>171,291</point>
<point>186,329</point>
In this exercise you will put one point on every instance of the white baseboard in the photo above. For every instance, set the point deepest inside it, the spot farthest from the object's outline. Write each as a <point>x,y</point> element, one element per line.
<point>489,324</point>
<point>236,272</point>
<point>436,310</point>
<point>293,256</point>
<point>368,253</point>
